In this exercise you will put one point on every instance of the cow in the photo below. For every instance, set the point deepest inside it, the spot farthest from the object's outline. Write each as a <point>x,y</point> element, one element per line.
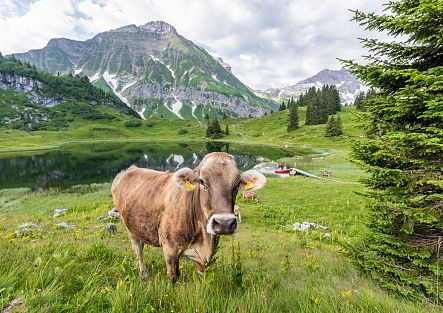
<point>247,194</point>
<point>182,212</point>
<point>325,173</point>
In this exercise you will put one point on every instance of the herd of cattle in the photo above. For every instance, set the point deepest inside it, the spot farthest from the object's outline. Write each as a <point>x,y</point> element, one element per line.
<point>185,211</point>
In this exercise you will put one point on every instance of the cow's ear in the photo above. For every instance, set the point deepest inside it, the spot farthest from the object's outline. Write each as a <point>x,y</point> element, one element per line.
<point>185,178</point>
<point>251,180</point>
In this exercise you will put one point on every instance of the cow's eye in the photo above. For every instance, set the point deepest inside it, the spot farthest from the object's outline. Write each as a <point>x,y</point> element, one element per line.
<point>201,182</point>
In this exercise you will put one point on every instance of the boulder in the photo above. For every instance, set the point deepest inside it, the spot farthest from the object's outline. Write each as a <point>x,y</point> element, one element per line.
<point>65,225</point>
<point>112,214</point>
<point>58,212</point>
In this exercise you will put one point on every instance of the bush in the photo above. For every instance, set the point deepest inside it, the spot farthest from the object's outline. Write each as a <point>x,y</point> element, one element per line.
<point>182,131</point>
<point>132,123</point>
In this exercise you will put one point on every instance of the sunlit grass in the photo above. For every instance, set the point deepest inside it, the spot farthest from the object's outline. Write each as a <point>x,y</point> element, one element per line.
<point>263,268</point>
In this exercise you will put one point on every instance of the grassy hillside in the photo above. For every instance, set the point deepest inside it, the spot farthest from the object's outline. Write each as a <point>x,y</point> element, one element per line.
<point>270,129</point>
<point>262,268</point>
<point>64,88</point>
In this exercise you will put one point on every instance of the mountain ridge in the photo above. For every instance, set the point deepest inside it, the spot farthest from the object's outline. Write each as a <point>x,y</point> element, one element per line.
<point>154,70</point>
<point>347,85</point>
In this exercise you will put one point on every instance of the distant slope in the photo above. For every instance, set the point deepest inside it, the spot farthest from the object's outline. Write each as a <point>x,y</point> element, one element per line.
<point>154,70</point>
<point>347,85</point>
<point>48,90</point>
<point>33,100</point>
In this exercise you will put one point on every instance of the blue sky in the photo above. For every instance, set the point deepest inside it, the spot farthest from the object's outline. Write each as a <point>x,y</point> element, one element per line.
<point>271,43</point>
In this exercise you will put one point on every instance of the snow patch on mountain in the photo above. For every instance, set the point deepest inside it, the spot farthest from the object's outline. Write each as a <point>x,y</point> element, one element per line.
<point>142,113</point>
<point>94,77</point>
<point>128,85</point>
<point>78,71</point>
<point>112,82</point>
<point>194,106</point>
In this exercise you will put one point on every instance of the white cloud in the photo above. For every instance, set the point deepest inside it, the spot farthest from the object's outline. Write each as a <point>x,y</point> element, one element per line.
<point>268,43</point>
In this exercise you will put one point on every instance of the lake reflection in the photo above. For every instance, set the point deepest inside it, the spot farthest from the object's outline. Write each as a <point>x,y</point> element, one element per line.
<point>100,162</point>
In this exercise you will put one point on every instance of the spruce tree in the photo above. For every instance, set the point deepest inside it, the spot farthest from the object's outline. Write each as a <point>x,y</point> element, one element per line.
<point>293,115</point>
<point>214,130</point>
<point>336,102</point>
<point>339,126</point>
<point>403,149</point>
<point>282,106</point>
<point>227,130</point>
<point>359,101</point>
<point>331,127</point>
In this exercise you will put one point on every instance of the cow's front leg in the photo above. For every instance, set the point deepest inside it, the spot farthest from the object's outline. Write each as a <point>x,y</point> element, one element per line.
<point>172,259</point>
<point>137,245</point>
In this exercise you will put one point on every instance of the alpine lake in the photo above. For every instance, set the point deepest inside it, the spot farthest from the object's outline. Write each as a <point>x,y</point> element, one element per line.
<point>77,164</point>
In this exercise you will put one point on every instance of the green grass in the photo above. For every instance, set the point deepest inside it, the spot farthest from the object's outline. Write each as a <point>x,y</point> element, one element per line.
<point>103,85</point>
<point>262,268</point>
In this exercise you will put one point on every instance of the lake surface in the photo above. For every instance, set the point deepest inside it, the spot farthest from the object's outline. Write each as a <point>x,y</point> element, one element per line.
<point>100,162</point>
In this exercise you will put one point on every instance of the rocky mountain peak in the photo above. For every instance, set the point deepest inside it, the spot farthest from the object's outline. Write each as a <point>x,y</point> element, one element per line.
<point>347,85</point>
<point>126,29</point>
<point>158,27</point>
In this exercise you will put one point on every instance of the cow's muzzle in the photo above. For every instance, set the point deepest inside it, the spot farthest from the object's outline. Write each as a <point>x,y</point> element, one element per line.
<point>222,224</point>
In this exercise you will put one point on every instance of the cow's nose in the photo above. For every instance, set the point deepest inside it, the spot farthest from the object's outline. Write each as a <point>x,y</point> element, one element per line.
<point>223,224</point>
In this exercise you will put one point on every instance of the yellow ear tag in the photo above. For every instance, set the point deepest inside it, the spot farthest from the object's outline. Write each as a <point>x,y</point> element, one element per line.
<point>189,185</point>
<point>249,185</point>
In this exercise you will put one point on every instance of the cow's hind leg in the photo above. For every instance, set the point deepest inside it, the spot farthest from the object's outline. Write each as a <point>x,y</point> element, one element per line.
<point>137,245</point>
<point>172,262</point>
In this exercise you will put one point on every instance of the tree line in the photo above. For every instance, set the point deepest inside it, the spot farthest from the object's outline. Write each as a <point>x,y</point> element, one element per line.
<point>320,104</point>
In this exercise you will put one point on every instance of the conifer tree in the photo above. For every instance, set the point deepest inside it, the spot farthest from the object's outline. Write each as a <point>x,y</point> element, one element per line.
<point>359,101</point>
<point>293,115</point>
<point>227,130</point>
<point>335,99</point>
<point>403,149</point>
<point>330,127</point>
<point>214,130</point>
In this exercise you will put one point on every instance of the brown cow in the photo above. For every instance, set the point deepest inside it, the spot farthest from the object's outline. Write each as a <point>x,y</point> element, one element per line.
<point>325,173</point>
<point>181,212</point>
<point>247,194</point>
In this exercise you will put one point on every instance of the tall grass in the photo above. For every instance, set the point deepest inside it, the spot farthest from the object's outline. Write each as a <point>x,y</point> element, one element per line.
<point>263,268</point>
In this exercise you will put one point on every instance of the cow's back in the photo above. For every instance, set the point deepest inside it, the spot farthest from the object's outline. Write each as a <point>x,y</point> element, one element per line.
<point>139,196</point>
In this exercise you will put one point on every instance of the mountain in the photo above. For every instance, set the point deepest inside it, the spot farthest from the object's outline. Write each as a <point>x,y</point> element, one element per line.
<point>35,100</point>
<point>347,85</point>
<point>154,70</point>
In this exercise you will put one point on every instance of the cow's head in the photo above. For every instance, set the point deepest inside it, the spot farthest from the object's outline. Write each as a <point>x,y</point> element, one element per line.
<point>218,181</point>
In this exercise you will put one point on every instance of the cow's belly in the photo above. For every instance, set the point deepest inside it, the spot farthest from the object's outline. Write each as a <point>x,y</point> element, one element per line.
<point>144,227</point>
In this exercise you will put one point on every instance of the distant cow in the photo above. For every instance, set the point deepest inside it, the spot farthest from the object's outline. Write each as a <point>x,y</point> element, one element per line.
<point>325,173</point>
<point>247,194</point>
<point>182,212</point>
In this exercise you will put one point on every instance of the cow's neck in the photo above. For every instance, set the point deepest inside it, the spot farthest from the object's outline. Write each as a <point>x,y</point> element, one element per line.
<point>194,218</point>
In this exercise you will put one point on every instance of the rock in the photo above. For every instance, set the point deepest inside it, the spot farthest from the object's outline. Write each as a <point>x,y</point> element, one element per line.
<point>58,212</point>
<point>23,231</point>
<point>112,228</point>
<point>307,225</point>
<point>65,225</point>
<point>29,225</point>
<point>112,214</point>
<point>15,305</point>
<point>327,235</point>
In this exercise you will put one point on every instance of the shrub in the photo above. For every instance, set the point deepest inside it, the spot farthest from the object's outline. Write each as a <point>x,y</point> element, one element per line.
<point>182,131</point>
<point>132,123</point>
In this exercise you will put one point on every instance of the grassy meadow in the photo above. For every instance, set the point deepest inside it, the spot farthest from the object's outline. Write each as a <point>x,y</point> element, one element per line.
<point>264,267</point>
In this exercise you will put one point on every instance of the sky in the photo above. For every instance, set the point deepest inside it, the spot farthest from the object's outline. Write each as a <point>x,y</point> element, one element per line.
<point>268,43</point>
